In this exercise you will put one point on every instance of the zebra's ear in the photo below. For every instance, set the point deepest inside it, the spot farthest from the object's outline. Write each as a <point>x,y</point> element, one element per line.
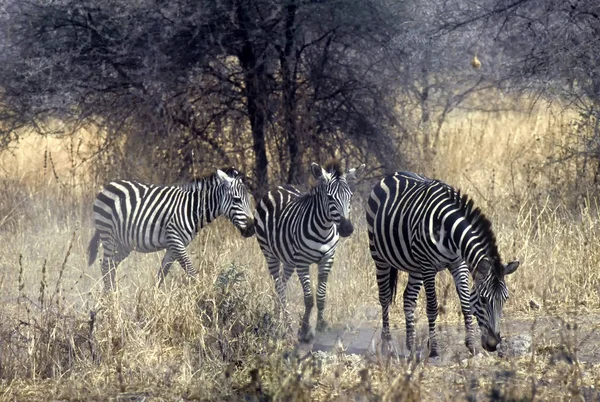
<point>511,267</point>
<point>482,270</point>
<point>224,177</point>
<point>355,173</point>
<point>317,171</point>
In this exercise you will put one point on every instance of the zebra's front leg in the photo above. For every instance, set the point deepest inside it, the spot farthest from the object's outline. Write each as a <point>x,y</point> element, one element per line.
<point>165,266</point>
<point>411,293</point>
<point>432,312</point>
<point>186,264</point>
<point>461,280</point>
<point>176,246</point>
<point>304,333</point>
<point>178,252</point>
<point>324,268</point>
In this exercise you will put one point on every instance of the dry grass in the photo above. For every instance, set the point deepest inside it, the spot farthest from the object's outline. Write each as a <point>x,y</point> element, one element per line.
<point>216,339</point>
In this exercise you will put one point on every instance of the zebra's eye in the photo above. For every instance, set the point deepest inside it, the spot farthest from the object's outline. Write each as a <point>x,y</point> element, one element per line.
<point>483,299</point>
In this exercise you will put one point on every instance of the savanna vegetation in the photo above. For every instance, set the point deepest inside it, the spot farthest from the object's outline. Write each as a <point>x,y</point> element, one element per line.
<point>218,338</point>
<point>95,90</point>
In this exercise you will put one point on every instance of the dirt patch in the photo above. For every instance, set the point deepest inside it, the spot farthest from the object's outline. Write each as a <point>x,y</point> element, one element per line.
<point>573,339</point>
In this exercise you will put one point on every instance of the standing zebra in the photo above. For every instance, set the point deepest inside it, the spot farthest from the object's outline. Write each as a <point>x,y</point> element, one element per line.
<point>423,226</point>
<point>301,229</point>
<point>131,216</point>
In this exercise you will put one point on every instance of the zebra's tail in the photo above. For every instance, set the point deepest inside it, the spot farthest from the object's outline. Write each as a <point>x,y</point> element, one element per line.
<point>93,248</point>
<point>393,282</point>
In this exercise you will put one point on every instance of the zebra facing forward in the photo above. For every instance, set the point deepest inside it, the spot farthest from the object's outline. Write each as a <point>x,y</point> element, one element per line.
<point>423,226</point>
<point>131,216</point>
<point>301,229</point>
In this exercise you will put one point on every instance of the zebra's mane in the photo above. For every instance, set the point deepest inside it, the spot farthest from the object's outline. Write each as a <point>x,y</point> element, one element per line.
<point>481,224</point>
<point>233,172</point>
<point>197,182</point>
<point>334,167</point>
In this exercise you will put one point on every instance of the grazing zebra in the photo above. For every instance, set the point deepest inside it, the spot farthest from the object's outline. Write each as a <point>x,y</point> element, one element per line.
<point>131,216</point>
<point>301,229</point>
<point>423,226</point>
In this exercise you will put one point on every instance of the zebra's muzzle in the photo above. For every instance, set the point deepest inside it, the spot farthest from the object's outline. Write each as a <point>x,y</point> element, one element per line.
<point>249,230</point>
<point>345,227</point>
<point>491,341</point>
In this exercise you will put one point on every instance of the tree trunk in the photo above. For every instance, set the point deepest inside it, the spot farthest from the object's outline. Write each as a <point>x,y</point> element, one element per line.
<point>256,89</point>
<point>288,72</point>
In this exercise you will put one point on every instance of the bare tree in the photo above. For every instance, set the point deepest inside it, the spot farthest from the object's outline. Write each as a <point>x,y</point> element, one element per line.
<point>236,79</point>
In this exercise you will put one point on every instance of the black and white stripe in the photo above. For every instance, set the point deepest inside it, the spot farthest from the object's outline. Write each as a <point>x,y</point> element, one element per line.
<point>131,216</point>
<point>303,229</point>
<point>424,226</point>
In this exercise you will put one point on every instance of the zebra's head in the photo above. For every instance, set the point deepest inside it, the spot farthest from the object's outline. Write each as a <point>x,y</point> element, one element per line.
<point>235,201</point>
<point>335,184</point>
<point>488,297</point>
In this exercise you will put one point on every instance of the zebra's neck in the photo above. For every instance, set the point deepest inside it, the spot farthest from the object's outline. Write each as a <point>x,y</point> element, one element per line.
<point>319,206</point>
<point>205,205</point>
<point>471,243</point>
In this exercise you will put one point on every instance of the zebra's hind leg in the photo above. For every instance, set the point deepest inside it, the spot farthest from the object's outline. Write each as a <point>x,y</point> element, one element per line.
<point>411,292</point>
<point>281,285</point>
<point>280,281</point>
<point>288,270</point>
<point>110,261</point>
<point>165,266</point>
<point>108,273</point>
<point>432,312</point>
<point>461,280</point>
<point>324,268</point>
<point>274,266</point>
<point>305,333</point>
<point>384,283</point>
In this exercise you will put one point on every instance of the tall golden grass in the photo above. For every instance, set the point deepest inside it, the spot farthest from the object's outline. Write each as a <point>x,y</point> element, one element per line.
<point>217,338</point>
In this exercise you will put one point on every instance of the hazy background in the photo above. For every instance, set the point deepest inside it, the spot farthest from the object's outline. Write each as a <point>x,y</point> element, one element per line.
<point>498,98</point>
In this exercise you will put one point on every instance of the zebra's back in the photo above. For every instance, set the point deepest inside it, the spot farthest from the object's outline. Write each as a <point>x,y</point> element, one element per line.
<point>268,216</point>
<point>272,206</point>
<point>136,214</point>
<point>400,210</point>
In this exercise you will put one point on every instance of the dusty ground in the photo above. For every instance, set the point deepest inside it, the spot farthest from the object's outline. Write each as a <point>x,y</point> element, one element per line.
<point>552,336</point>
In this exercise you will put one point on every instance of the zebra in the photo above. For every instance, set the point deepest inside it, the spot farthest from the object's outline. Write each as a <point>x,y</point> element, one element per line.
<point>301,229</point>
<point>131,216</point>
<point>423,226</point>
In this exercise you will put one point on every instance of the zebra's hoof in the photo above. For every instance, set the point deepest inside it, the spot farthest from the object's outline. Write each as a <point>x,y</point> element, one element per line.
<point>388,349</point>
<point>322,326</point>
<point>416,356</point>
<point>432,346</point>
<point>306,335</point>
